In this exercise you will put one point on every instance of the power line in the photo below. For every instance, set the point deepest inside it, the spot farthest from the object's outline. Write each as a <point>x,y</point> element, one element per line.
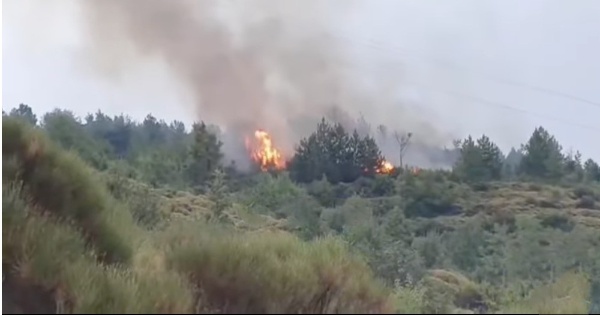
<point>378,45</point>
<point>472,98</point>
<point>374,45</point>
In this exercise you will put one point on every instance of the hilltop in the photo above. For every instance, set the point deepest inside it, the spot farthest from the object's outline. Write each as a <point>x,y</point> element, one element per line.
<point>108,215</point>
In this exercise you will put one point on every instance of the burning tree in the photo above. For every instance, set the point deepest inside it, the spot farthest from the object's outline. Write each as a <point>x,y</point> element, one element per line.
<point>332,152</point>
<point>263,152</point>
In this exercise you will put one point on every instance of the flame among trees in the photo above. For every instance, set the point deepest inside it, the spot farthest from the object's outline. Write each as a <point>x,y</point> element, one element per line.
<point>263,152</point>
<point>167,153</point>
<point>330,151</point>
<point>340,156</point>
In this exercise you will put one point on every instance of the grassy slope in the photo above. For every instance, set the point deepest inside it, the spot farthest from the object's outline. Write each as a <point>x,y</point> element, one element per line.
<point>68,246</point>
<point>499,201</point>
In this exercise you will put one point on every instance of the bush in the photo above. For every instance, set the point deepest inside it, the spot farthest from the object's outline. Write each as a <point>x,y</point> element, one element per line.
<point>143,202</point>
<point>586,202</point>
<point>270,192</point>
<point>61,184</point>
<point>274,272</point>
<point>568,295</point>
<point>430,196</point>
<point>48,269</point>
<point>557,220</point>
<point>448,291</point>
<point>410,300</point>
<point>581,191</point>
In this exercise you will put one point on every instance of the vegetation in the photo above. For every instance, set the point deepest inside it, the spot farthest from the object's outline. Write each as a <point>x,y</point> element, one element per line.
<point>107,215</point>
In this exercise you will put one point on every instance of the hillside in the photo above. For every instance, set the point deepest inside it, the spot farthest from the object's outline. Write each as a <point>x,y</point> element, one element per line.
<point>96,223</point>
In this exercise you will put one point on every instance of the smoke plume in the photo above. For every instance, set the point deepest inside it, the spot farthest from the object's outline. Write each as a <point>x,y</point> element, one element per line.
<point>256,64</point>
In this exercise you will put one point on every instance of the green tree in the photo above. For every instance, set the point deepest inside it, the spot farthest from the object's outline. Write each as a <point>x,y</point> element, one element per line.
<point>330,151</point>
<point>219,194</point>
<point>117,131</point>
<point>24,112</point>
<point>63,127</point>
<point>511,164</point>
<point>542,156</point>
<point>592,170</point>
<point>479,160</point>
<point>204,154</point>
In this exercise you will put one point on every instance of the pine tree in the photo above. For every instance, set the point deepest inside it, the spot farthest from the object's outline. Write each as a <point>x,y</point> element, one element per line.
<point>492,158</point>
<point>204,154</point>
<point>219,194</point>
<point>330,151</point>
<point>592,170</point>
<point>542,156</point>
<point>24,112</point>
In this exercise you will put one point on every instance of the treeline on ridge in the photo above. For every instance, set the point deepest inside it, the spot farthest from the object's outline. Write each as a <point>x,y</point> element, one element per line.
<point>167,153</point>
<point>150,217</point>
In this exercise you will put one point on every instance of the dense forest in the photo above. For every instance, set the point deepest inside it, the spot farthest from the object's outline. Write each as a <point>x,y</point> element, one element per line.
<point>105,214</point>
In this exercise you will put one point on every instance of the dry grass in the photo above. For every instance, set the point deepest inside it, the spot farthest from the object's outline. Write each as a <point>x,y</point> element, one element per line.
<point>189,206</point>
<point>462,292</point>
<point>534,199</point>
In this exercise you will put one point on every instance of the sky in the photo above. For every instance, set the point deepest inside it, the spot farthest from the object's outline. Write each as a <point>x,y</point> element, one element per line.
<point>496,67</point>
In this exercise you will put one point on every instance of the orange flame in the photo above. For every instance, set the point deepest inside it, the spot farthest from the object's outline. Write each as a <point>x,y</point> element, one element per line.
<point>263,152</point>
<point>385,168</point>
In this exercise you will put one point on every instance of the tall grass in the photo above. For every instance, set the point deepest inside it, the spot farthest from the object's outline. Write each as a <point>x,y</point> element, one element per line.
<point>62,185</point>
<point>69,247</point>
<point>47,260</point>
<point>569,294</point>
<point>274,272</point>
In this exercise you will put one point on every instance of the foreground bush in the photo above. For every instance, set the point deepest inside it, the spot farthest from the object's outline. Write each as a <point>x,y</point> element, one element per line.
<point>47,269</point>
<point>274,272</point>
<point>61,184</point>
<point>449,291</point>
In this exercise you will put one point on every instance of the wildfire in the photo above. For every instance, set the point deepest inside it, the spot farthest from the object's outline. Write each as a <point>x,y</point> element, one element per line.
<point>385,168</point>
<point>263,152</point>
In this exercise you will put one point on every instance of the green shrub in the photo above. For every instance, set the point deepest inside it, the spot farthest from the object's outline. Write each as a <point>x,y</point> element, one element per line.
<point>447,291</point>
<point>582,190</point>
<point>48,269</point>
<point>270,192</point>
<point>274,272</point>
<point>586,202</point>
<point>61,184</point>
<point>143,202</point>
<point>568,295</point>
<point>410,300</point>
<point>557,220</point>
<point>430,196</point>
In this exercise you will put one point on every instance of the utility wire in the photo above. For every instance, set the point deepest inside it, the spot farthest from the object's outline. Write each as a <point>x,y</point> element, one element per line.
<point>378,46</point>
<point>475,99</point>
<point>370,43</point>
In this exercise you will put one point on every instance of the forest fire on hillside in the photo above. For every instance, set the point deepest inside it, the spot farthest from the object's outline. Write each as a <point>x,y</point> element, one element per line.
<point>385,168</point>
<point>263,152</point>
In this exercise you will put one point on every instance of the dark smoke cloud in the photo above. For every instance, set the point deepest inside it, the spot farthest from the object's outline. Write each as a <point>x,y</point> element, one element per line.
<point>255,64</point>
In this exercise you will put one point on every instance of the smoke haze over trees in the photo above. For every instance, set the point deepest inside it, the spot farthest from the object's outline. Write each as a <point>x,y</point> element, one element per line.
<point>292,69</point>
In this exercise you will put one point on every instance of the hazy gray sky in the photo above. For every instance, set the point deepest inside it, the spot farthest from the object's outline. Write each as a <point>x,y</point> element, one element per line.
<point>461,63</point>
